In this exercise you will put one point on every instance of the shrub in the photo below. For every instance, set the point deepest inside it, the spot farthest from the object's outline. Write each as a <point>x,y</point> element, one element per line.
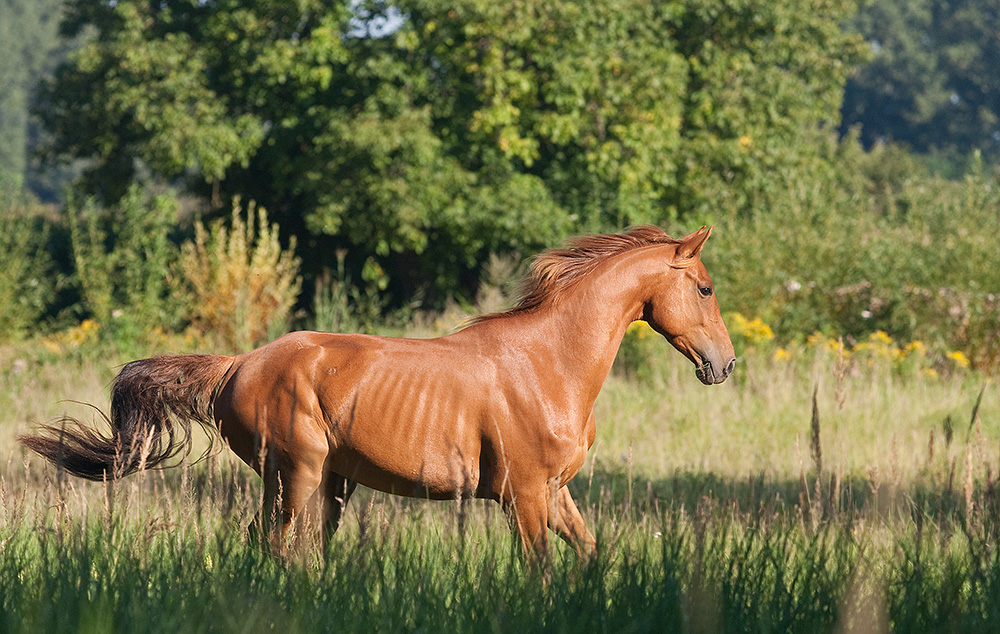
<point>880,247</point>
<point>26,283</point>
<point>123,257</point>
<point>339,305</point>
<point>239,283</point>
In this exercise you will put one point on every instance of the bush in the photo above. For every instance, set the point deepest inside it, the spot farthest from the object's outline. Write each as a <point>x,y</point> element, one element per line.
<point>26,284</point>
<point>123,258</point>
<point>238,282</point>
<point>879,247</point>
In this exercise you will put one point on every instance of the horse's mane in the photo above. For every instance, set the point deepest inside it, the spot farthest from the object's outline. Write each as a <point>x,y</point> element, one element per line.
<point>555,270</point>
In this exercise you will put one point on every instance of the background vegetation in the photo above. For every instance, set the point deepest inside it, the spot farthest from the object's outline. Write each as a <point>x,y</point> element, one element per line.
<point>397,147</point>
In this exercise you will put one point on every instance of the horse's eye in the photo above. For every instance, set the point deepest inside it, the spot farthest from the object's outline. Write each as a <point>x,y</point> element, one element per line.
<point>706,291</point>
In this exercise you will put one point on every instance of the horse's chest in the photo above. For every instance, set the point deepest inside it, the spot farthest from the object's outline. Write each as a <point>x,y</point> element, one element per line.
<point>578,455</point>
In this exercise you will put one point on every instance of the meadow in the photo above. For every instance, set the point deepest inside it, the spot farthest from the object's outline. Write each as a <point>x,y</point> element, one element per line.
<point>827,487</point>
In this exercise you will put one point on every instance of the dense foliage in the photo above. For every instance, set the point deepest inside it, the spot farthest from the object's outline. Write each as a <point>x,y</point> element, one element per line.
<point>30,47</point>
<point>932,83</point>
<point>461,129</point>
<point>401,145</point>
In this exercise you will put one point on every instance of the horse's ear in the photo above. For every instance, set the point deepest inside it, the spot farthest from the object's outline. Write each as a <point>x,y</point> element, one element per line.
<point>690,246</point>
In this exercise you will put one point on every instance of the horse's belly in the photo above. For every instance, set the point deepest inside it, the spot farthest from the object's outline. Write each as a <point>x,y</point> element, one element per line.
<point>410,433</point>
<point>407,474</point>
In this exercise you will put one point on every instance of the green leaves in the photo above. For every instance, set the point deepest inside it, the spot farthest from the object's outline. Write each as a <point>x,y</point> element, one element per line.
<point>932,83</point>
<point>458,130</point>
<point>123,258</point>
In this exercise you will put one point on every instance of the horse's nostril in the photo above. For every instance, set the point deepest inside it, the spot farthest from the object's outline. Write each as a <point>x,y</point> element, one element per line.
<point>730,366</point>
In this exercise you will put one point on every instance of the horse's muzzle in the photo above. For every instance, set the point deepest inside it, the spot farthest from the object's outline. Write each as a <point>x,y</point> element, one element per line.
<point>707,374</point>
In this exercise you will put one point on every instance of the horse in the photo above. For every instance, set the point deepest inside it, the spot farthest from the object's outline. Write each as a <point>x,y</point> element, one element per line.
<point>502,409</point>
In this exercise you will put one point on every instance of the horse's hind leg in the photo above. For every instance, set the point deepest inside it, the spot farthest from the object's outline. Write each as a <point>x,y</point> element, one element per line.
<point>286,492</point>
<point>337,491</point>
<point>288,484</point>
<point>567,522</point>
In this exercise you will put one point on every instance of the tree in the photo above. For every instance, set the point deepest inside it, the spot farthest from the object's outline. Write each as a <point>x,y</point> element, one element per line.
<point>28,48</point>
<point>459,130</point>
<point>932,84</point>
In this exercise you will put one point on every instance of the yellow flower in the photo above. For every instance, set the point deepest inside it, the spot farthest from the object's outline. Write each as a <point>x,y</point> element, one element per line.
<point>815,339</point>
<point>782,354</point>
<point>930,373</point>
<point>880,336</point>
<point>640,329</point>
<point>959,358</point>
<point>754,331</point>
<point>916,347</point>
<point>835,345</point>
<point>51,345</point>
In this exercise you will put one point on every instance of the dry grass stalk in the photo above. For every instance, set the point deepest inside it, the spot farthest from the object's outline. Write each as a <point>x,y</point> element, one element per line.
<point>836,481</point>
<point>975,412</point>
<point>816,448</point>
<point>969,484</point>
<point>840,373</point>
<point>805,500</point>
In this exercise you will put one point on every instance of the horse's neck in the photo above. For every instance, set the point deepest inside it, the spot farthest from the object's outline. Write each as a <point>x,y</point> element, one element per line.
<point>588,324</point>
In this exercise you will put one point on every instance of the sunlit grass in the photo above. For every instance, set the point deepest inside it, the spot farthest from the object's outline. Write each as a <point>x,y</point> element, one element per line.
<point>707,503</point>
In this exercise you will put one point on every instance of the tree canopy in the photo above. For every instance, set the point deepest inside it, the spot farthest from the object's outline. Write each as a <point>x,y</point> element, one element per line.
<point>459,129</point>
<point>29,45</point>
<point>932,84</point>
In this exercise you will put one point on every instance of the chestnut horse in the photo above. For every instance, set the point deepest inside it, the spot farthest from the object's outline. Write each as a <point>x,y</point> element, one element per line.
<point>503,409</point>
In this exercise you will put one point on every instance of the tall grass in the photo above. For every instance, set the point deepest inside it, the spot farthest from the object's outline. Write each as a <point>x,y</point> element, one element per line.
<point>711,508</point>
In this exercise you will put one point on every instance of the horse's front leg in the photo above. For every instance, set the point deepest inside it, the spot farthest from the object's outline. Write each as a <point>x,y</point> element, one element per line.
<point>527,512</point>
<point>566,521</point>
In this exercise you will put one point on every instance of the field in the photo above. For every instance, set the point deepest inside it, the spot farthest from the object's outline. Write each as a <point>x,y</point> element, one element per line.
<point>811,493</point>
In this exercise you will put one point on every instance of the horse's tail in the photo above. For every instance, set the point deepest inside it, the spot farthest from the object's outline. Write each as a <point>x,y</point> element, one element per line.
<point>153,402</point>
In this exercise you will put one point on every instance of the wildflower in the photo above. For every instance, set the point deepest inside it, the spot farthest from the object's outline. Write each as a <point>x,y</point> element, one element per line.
<point>834,345</point>
<point>917,348</point>
<point>754,331</point>
<point>640,329</point>
<point>86,331</point>
<point>930,373</point>
<point>959,358</point>
<point>781,354</point>
<point>880,336</point>
<point>51,345</point>
<point>864,346</point>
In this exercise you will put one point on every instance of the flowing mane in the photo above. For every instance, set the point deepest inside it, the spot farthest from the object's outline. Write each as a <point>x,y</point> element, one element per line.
<point>555,270</point>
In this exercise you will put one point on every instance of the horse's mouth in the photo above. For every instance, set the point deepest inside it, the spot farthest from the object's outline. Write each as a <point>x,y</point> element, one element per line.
<point>705,374</point>
<point>709,375</point>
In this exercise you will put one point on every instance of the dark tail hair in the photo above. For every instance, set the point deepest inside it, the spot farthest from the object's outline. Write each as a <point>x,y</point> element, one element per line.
<point>153,402</point>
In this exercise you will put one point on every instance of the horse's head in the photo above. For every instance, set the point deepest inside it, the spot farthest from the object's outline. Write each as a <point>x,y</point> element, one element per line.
<point>683,309</point>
